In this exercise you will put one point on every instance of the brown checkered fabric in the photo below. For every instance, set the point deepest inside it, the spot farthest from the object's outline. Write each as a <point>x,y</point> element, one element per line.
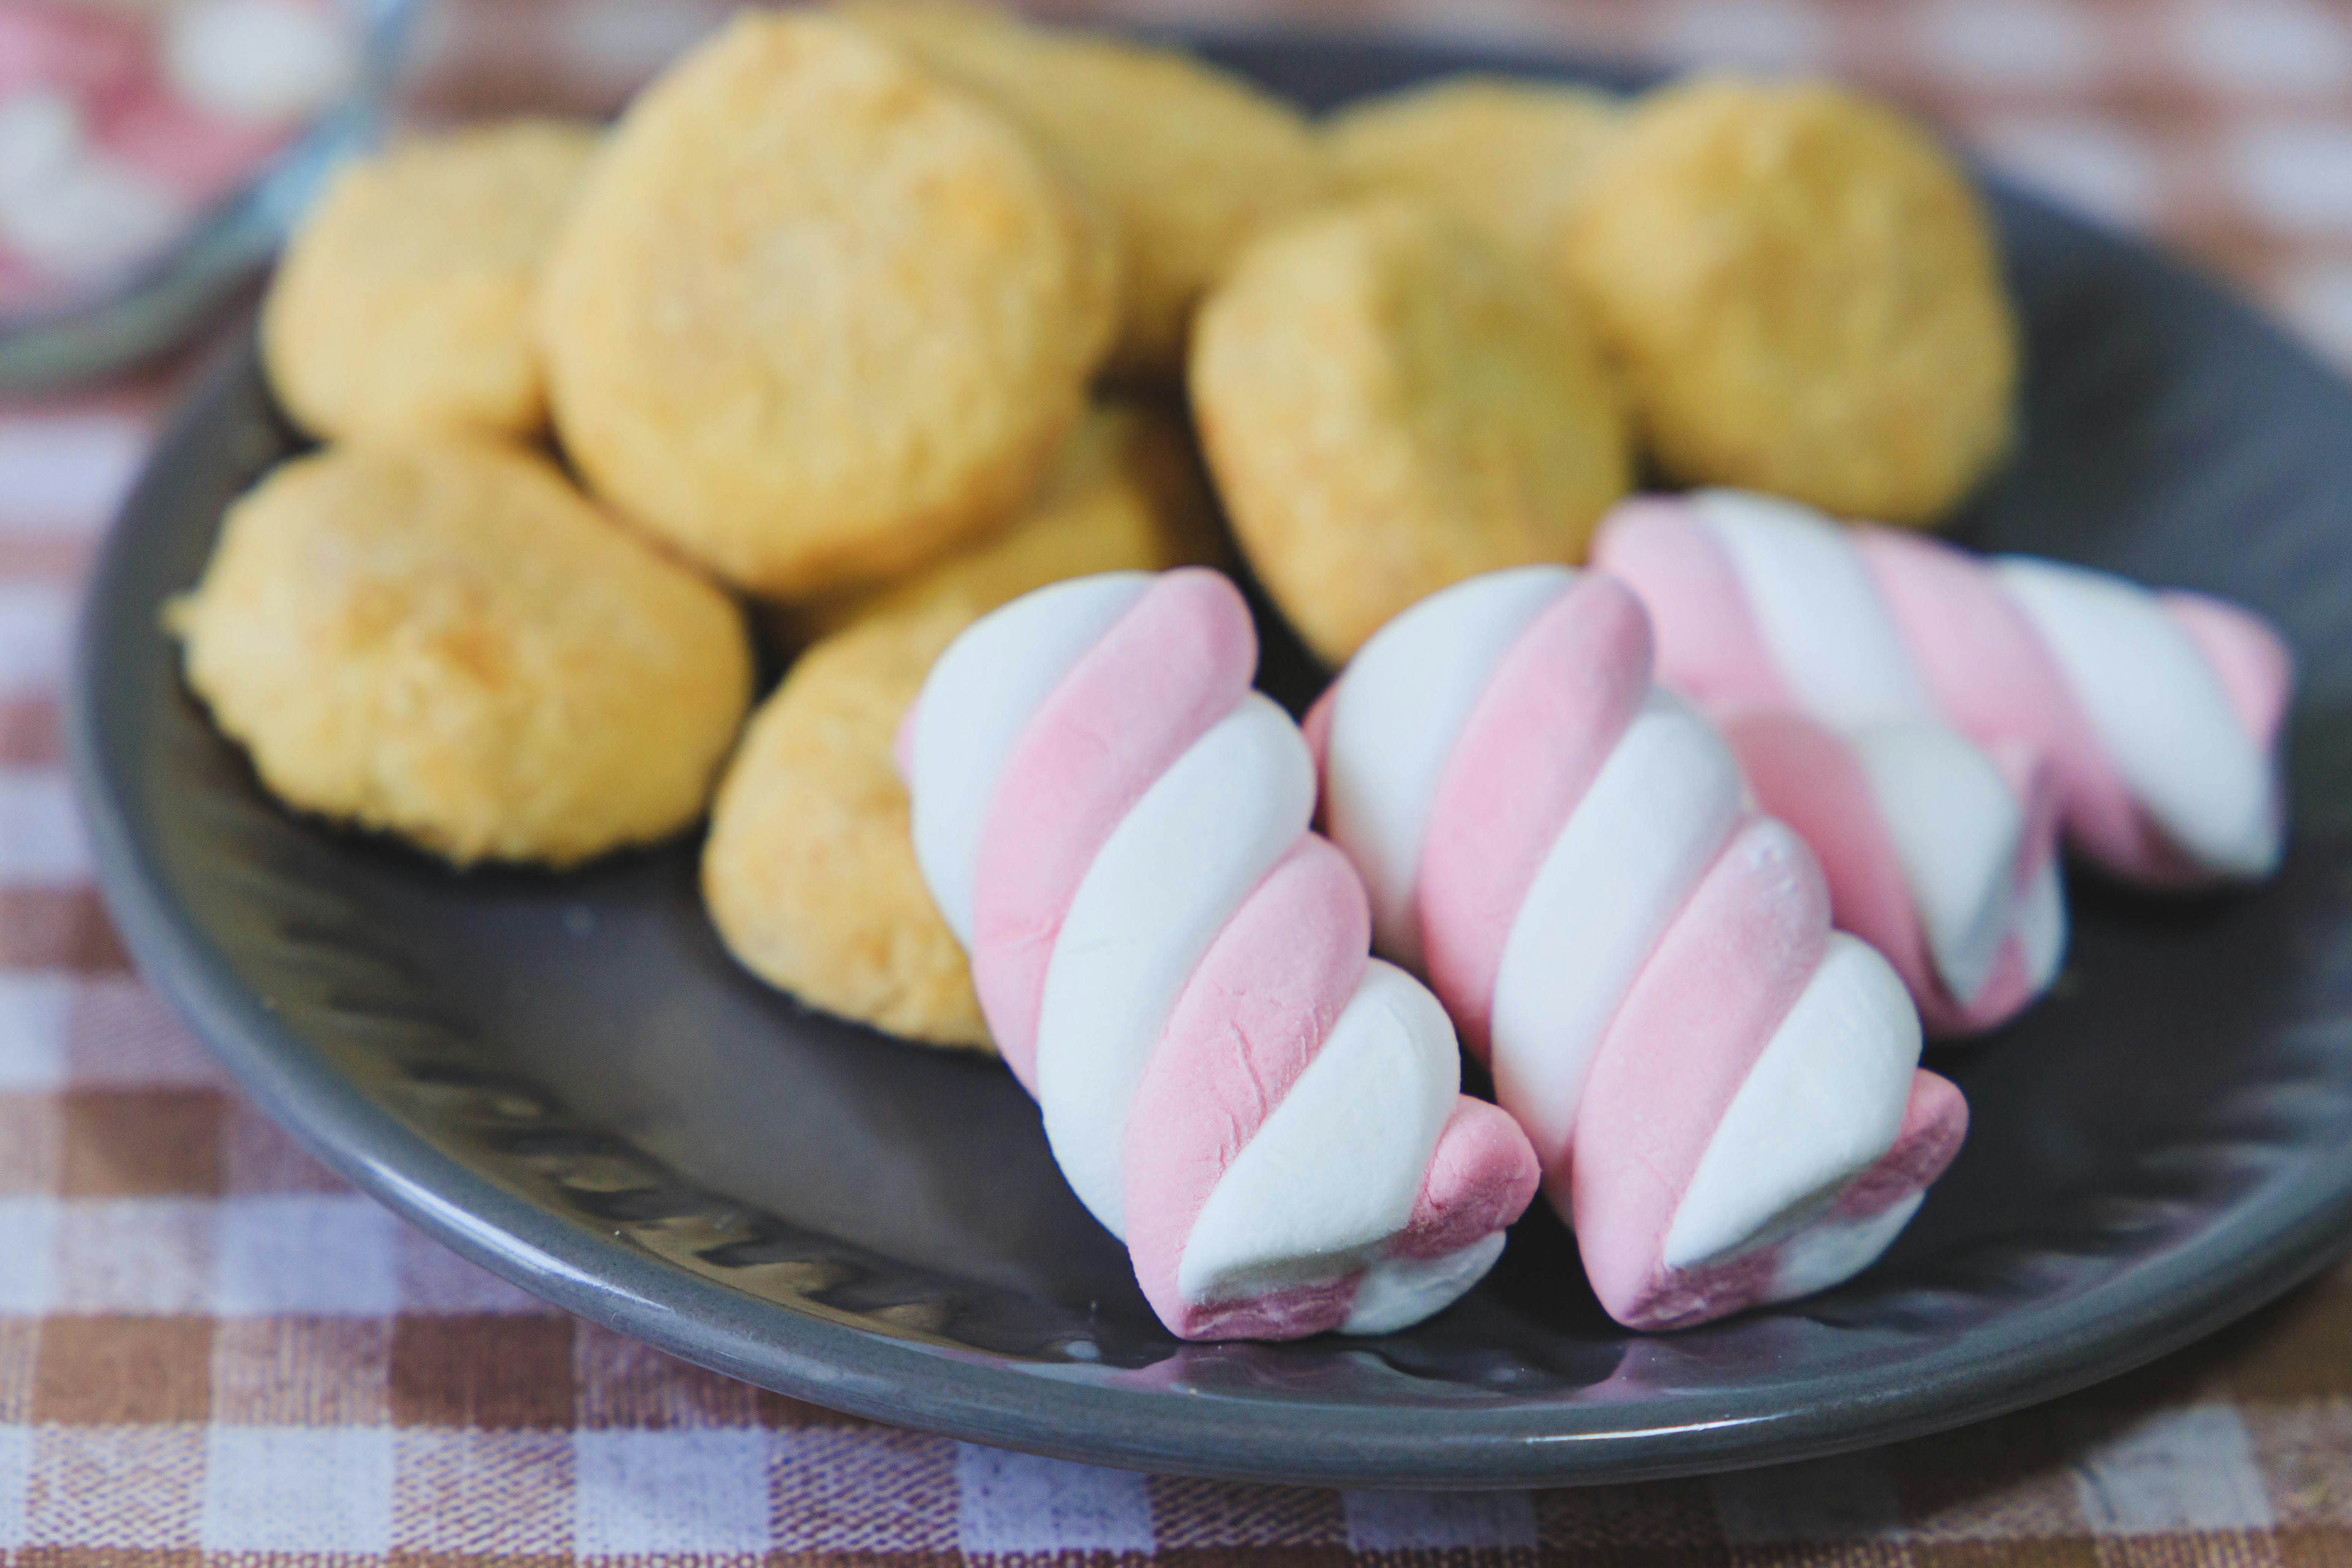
<point>212,1351</point>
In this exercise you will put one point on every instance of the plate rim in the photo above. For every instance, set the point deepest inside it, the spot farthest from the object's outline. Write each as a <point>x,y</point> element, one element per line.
<point>2121,1324</point>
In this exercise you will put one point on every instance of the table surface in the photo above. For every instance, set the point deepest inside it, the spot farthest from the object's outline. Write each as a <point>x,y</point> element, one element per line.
<point>212,1351</point>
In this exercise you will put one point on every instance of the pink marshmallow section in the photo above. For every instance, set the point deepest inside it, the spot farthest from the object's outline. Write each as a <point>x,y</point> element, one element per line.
<point>1172,666</point>
<point>1549,718</point>
<point>1235,1123</point>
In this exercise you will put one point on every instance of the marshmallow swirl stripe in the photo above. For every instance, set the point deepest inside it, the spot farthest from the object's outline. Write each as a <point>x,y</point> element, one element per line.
<point>1723,1091</point>
<point>2159,714</point>
<point>1116,825</point>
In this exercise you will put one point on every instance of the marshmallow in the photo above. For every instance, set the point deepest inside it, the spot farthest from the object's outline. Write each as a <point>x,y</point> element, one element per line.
<point>1116,827</point>
<point>1724,1093</point>
<point>2158,715</point>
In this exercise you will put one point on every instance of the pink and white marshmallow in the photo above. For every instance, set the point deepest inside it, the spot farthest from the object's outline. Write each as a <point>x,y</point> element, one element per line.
<point>1115,826</point>
<point>1724,1092</point>
<point>2159,715</point>
<point>1938,852</point>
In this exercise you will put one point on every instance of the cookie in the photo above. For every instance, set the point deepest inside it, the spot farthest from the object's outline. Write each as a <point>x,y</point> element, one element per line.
<point>1189,161</point>
<point>809,872</point>
<point>1126,495</point>
<point>404,303</point>
<point>816,317</point>
<point>1504,156</point>
<point>443,640</point>
<point>1805,296</point>
<point>1391,404</point>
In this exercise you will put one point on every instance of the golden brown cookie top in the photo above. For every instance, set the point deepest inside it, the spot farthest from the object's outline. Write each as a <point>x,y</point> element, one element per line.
<point>1806,293</point>
<point>1189,161</point>
<point>816,315</point>
<point>1505,155</point>
<point>404,301</point>
<point>443,640</point>
<point>1391,404</point>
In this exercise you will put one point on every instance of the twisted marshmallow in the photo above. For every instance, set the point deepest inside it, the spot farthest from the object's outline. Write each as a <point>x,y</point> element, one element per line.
<point>1116,827</point>
<point>2158,714</point>
<point>1723,1091</point>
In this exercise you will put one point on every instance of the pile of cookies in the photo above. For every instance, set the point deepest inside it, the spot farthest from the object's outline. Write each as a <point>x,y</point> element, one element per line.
<point>864,321</point>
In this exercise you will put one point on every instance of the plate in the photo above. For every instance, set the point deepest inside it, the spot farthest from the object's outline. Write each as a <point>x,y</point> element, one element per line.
<point>565,1078</point>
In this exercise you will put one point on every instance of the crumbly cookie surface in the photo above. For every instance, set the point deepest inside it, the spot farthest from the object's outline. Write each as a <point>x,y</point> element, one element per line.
<point>817,316</point>
<point>1391,404</point>
<point>443,640</point>
<point>1189,161</point>
<point>1805,296</point>
<point>1127,494</point>
<point>1504,156</point>
<point>809,872</point>
<point>404,303</point>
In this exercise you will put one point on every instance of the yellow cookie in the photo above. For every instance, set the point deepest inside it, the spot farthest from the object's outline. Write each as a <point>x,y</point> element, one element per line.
<point>1126,495</point>
<point>1504,156</point>
<point>1805,297</point>
<point>1189,161</point>
<point>403,304</point>
<point>1391,404</point>
<point>816,317</point>
<point>441,639</point>
<point>809,871</point>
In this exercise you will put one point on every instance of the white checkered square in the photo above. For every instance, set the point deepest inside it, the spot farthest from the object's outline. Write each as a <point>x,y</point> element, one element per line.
<point>28,1241</point>
<point>2008,44</point>
<point>2296,177</point>
<point>68,470</point>
<point>41,843</point>
<point>133,1254</point>
<point>324,1254</point>
<point>672,1492</point>
<point>36,623</point>
<point>2190,1468</point>
<point>297,1488</point>
<point>434,1281</point>
<point>1769,34</point>
<point>2087,162</point>
<point>1018,1503</point>
<point>2262,47</point>
<point>15,1483</point>
<point>1439,1522</point>
<point>33,1013</point>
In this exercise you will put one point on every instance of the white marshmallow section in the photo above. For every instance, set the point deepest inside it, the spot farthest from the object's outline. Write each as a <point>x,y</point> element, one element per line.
<point>1829,634</point>
<point>2159,709</point>
<point>1957,827</point>
<point>1820,1106</point>
<point>1654,818</point>
<point>976,702</point>
<point>1334,1171</point>
<point>1393,728</point>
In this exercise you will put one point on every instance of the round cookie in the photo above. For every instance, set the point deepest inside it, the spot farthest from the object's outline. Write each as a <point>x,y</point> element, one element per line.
<point>1804,294</point>
<point>1126,495</point>
<point>1504,156</point>
<point>403,302</point>
<point>1389,405</point>
<point>1189,161</point>
<point>809,872</point>
<point>441,639</point>
<point>816,317</point>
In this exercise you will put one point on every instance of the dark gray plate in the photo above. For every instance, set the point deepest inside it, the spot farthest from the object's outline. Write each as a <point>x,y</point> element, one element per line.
<point>566,1079</point>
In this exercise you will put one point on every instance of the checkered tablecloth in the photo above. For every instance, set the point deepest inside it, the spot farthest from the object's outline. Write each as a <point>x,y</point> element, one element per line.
<point>210,1351</point>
